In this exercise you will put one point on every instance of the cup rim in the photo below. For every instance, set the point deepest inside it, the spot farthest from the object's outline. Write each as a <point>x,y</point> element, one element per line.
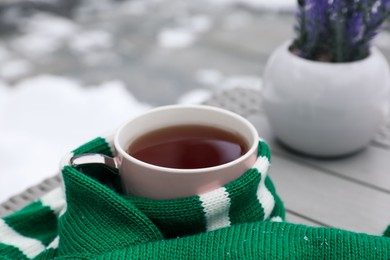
<point>153,167</point>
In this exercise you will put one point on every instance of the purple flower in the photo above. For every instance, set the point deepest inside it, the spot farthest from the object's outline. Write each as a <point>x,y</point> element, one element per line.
<point>355,28</point>
<point>316,14</point>
<point>340,30</point>
<point>386,5</point>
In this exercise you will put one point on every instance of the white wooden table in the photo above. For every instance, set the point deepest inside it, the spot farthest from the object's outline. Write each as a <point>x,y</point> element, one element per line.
<point>351,193</point>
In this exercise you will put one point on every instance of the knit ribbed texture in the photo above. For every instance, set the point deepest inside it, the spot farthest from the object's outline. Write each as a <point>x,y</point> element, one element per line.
<point>262,240</point>
<point>387,232</point>
<point>89,218</point>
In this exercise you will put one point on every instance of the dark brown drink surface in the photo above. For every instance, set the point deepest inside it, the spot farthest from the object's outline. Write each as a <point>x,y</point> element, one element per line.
<point>188,147</point>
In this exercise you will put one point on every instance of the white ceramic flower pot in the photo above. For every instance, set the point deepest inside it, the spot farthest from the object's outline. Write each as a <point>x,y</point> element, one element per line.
<point>325,109</point>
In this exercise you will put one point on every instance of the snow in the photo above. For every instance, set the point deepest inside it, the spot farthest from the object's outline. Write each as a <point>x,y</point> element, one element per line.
<point>100,57</point>
<point>186,33</point>
<point>176,38</point>
<point>275,5</point>
<point>44,117</point>
<point>91,41</point>
<point>135,7</point>
<point>33,45</point>
<point>200,23</point>
<point>270,5</point>
<point>94,47</point>
<point>14,69</point>
<point>209,76</point>
<point>237,20</point>
<point>43,35</point>
<point>196,96</point>
<point>216,80</point>
<point>46,24</point>
<point>4,54</point>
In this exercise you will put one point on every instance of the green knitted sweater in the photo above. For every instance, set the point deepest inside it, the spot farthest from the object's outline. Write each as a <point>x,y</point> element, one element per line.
<point>89,218</point>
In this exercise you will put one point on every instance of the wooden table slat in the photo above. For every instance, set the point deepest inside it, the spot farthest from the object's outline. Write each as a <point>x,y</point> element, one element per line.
<point>298,219</point>
<point>330,200</point>
<point>370,166</point>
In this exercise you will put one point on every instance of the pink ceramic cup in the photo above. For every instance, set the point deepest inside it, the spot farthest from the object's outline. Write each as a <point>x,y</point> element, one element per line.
<point>142,179</point>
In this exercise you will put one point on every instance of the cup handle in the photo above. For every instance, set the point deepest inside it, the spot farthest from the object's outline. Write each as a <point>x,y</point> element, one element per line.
<point>95,159</point>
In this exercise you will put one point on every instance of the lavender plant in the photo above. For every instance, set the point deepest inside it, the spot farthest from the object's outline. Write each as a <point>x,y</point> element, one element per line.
<point>338,30</point>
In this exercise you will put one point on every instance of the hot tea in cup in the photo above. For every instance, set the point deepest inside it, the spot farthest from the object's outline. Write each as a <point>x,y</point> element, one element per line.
<point>188,147</point>
<point>180,151</point>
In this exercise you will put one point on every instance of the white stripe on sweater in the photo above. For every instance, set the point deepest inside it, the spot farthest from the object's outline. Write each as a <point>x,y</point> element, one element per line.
<point>263,194</point>
<point>28,246</point>
<point>110,141</point>
<point>54,243</point>
<point>64,162</point>
<point>64,208</point>
<point>266,199</point>
<point>216,205</point>
<point>54,200</point>
<point>262,164</point>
